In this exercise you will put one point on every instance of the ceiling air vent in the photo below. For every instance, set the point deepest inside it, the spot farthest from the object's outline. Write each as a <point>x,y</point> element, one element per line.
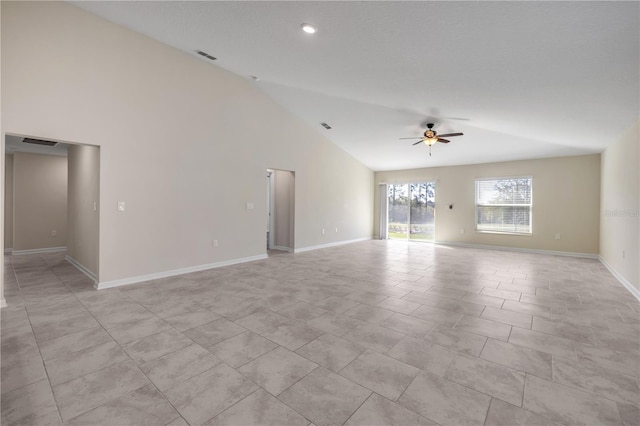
<point>325,125</point>
<point>206,55</point>
<point>39,142</point>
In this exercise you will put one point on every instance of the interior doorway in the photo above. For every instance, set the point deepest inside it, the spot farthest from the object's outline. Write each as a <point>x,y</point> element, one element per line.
<point>411,211</point>
<point>51,196</point>
<point>280,211</point>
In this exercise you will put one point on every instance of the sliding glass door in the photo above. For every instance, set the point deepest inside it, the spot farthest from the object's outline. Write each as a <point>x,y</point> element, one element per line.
<point>411,211</point>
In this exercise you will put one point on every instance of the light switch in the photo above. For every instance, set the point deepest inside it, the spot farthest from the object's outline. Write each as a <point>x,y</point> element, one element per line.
<point>120,206</point>
<point>250,206</point>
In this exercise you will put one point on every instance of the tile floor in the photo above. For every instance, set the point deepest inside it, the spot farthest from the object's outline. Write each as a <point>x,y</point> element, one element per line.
<point>373,333</point>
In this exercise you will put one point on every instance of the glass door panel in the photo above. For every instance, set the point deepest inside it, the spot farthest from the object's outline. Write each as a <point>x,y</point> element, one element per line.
<point>422,214</point>
<point>398,213</point>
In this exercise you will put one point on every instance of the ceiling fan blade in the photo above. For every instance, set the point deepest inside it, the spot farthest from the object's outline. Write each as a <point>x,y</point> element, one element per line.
<point>443,140</point>
<point>420,141</point>
<point>415,137</point>
<point>446,135</point>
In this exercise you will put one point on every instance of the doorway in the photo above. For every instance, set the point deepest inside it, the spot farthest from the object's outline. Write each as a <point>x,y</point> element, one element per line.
<point>280,211</point>
<point>51,196</point>
<point>411,211</point>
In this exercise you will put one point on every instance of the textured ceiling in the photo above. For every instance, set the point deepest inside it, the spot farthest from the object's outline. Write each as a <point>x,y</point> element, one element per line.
<point>520,79</point>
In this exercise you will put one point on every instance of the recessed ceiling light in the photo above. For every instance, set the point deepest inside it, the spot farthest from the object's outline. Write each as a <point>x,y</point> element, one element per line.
<point>309,28</point>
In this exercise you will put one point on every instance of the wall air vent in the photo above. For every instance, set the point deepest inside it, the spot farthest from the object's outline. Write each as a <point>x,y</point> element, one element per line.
<point>39,142</point>
<point>206,55</point>
<point>325,125</point>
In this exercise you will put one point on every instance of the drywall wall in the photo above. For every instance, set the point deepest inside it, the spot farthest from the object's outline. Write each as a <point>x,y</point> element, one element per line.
<point>183,143</point>
<point>8,201</point>
<point>83,202</point>
<point>284,209</point>
<point>566,201</point>
<point>620,202</point>
<point>39,201</point>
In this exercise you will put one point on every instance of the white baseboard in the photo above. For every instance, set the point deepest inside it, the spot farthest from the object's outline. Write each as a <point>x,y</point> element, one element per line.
<point>3,302</point>
<point>625,282</point>
<point>283,248</point>
<point>8,250</point>
<point>37,251</point>
<point>81,268</point>
<point>337,243</point>
<point>518,249</point>
<point>174,272</point>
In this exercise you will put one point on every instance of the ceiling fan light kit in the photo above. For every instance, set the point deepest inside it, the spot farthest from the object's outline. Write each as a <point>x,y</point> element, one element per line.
<point>431,137</point>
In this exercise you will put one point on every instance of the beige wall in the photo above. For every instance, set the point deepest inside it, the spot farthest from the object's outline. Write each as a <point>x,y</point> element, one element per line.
<point>8,201</point>
<point>619,222</point>
<point>566,200</point>
<point>83,204</point>
<point>39,201</point>
<point>284,209</point>
<point>182,142</point>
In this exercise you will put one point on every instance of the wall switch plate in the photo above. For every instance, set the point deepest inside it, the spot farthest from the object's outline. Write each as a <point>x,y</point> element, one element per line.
<point>95,206</point>
<point>121,206</point>
<point>336,229</point>
<point>250,206</point>
<point>557,236</point>
<point>54,233</point>
<point>462,230</point>
<point>322,231</point>
<point>215,243</point>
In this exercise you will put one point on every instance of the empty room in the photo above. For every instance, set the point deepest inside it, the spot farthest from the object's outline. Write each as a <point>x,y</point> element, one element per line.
<point>320,213</point>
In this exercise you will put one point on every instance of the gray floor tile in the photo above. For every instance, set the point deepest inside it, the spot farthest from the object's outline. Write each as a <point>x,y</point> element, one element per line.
<point>135,329</point>
<point>97,387</point>
<point>567,405</point>
<point>487,377</point>
<point>331,352</point>
<point>142,407</point>
<point>175,367</point>
<point>374,337</point>
<point>336,324</point>
<point>437,315</point>
<point>259,408</point>
<point>30,405</point>
<point>325,398</point>
<point>293,335</point>
<point>369,313</point>
<point>423,355</point>
<point>382,374</point>
<point>56,348</point>
<point>445,402</point>
<point>242,348</point>
<point>558,346</point>
<point>189,320</point>
<point>592,378</point>
<point>275,371</point>
<point>205,396</point>
<point>214,332</point>
<point>457,340</point>
<point>83,362</point>
<point>505,414</point>
<point>156,345</point>
<point>507,317</point>
<point>484,327</point>
<point>518,357</point>
<point>262,321</point>
<point>29,369</point>
<point>377,410</point>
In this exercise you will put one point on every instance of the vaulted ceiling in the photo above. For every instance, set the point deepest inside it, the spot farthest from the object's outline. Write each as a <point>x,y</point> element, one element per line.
<point>520,79</point>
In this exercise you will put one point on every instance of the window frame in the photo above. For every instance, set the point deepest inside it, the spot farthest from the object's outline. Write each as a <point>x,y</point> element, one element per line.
<point>530,205</point>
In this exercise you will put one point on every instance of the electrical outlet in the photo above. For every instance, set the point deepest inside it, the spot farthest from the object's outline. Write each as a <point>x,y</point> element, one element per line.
<point>336,229</point>
<point>55,233</point>
<point>557,236</point>
<point>121,206</point>
<point>462,230</point>
<point>623,254</point>
<point>215,243</point>
<point>322,231</point>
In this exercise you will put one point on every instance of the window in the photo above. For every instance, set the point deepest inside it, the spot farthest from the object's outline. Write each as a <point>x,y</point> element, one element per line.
<point>504,205</point>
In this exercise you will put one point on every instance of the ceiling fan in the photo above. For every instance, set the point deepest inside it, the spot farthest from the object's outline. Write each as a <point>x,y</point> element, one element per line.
<point>431,136</point>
